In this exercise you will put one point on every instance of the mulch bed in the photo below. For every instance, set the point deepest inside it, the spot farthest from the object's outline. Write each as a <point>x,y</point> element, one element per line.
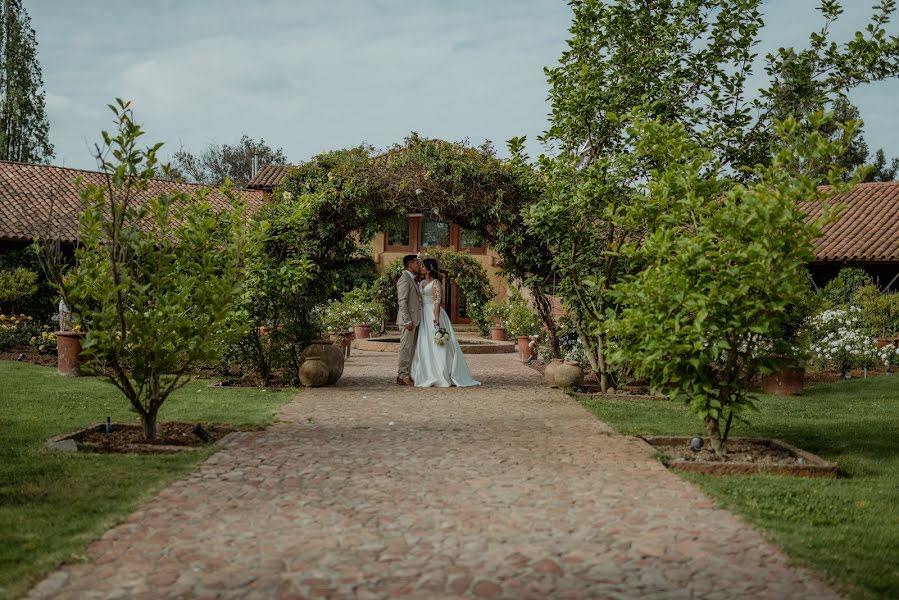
<point>745,456</point>
<point>31,356</point>
<point>750,451</point>
<point>125,438</point>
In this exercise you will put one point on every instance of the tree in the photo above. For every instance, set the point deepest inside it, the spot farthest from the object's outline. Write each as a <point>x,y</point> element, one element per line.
<point>879,169</point>
<point>218,163</point>
<point>24,129</point>
<point>16,287</point>
<point>154,277</point>
<point>683,62</point>
<point>725,269</point>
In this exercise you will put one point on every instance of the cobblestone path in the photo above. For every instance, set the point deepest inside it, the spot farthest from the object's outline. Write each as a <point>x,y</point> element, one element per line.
<point>370,490</point>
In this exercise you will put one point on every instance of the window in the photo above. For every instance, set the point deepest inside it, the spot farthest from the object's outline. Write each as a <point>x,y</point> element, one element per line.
<point>470,239</point>
<point>434,233</point>
<point>397,234</point>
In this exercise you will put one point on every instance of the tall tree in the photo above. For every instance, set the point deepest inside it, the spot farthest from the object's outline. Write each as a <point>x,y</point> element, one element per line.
<point>24,128</point>
<point>679,62</point>
<point>217,162</point>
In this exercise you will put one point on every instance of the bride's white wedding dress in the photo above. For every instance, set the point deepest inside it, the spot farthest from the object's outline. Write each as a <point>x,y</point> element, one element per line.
<point>434,365</point>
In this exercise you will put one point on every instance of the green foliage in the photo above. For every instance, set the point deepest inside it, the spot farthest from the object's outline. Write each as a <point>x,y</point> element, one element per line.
<point>17,331</point>
<point>218,164</point>
<point>496,312</point>
<point>696,58</point>
<point>355,308</point>
<point>521,319</point>
<point>154,279</point>
<point>43,302</point>
<point>17,286</point>
<point>840,290</point>
<point>358,271</point>
<point>24,128</point>
<point>725,267</point>
<point>879,311</point>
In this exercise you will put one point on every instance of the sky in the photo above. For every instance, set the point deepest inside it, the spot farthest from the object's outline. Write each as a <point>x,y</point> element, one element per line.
<point>314,75</point>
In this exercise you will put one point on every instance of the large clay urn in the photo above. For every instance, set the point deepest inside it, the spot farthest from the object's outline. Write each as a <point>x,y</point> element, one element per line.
<point>68,352</point>
<point>786,382</point>
<point>549,374</point>
<point>330,355</point>
<point>313,372</point>
<point>568,375</point>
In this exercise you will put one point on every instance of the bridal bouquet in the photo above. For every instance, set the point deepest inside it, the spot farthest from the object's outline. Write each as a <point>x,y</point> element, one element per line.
<point>441,336</point>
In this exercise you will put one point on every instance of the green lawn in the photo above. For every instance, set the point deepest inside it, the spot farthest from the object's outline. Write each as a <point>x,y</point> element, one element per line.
<point>847,528</point>
<point>52,505</point>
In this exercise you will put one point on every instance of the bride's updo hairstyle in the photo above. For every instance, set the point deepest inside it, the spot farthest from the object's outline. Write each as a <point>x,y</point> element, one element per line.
<point>433,270</point>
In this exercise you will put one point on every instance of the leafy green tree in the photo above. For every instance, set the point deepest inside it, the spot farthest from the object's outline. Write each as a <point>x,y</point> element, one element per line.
<point>879,169</point>
<point>24,129</point>
<point>724,269</point>
<point>16,286</point>
<point>226,162</point>
<point>685,63</point>
<point>154,277</point>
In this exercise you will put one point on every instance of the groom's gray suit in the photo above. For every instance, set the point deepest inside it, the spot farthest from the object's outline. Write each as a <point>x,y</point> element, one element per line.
<point>409,312</point>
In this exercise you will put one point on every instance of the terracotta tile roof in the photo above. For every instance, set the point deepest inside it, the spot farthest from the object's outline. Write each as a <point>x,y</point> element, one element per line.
<point>27,193</point>
<point>269,177</point>
<point>868,229</point>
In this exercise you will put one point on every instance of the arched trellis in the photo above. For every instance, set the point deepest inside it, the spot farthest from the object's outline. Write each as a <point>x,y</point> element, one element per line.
<point>350,195</point>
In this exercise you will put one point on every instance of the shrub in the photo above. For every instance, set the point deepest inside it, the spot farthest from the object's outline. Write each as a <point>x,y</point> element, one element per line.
<point>17,331</point>
<point>356,308</point>
<point>840,290</point>
<point>521,319</point>
<point>839,340</point>
<point>17,286</point>
<point>879,312</point>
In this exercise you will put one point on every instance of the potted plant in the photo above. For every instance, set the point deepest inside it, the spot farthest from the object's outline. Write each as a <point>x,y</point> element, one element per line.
<point>522,322</point>
<point>496,312</point>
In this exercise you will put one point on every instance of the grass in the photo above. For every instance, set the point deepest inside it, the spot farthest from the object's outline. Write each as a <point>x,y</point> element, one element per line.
<point>51,504</point>
<point>847,528</point>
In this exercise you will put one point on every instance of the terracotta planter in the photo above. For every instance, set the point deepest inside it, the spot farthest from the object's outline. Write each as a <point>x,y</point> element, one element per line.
<point>68,352</point>
<point>362,332</point>
<point>329,354</point>
<point>343,339</point>
<point>549,374</point>
<point>886,341</point>
<point>498,334</point>
<point>786,382</point>
<point>525,352</point>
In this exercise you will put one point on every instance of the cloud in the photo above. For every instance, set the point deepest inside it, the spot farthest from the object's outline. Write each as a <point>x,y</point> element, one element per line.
<point>326,74</point>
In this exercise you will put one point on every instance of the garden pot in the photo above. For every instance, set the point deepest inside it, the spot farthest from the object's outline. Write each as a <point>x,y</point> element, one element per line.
<point>362,332</point>
<point>568,375</point>
<point>549,374</point>
<point>786,382</point>
<point>329,354</point>
<point>525,352</point>
<point>883,342</point>
<point>498,334</point>
<point>68,352</point>
<point>342,339</point>
<point>314,372</point>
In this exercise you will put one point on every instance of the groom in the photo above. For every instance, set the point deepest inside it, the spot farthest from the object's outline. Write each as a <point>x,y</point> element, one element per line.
<point>408,315</point>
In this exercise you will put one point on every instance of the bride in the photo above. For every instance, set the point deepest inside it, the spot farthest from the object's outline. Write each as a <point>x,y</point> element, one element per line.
<point>435,365</point>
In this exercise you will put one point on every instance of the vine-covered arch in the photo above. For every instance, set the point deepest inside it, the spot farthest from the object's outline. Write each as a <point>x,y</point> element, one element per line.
<point>347,196</point>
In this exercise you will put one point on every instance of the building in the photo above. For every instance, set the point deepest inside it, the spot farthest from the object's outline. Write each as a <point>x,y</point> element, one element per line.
<point>866,235</point>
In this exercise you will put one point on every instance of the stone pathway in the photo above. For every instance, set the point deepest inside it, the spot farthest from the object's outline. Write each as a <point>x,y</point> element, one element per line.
<point>369,490</point>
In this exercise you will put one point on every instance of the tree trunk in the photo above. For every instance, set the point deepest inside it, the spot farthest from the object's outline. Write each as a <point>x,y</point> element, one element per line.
<point>148,420</point>
<point>719,446</point>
